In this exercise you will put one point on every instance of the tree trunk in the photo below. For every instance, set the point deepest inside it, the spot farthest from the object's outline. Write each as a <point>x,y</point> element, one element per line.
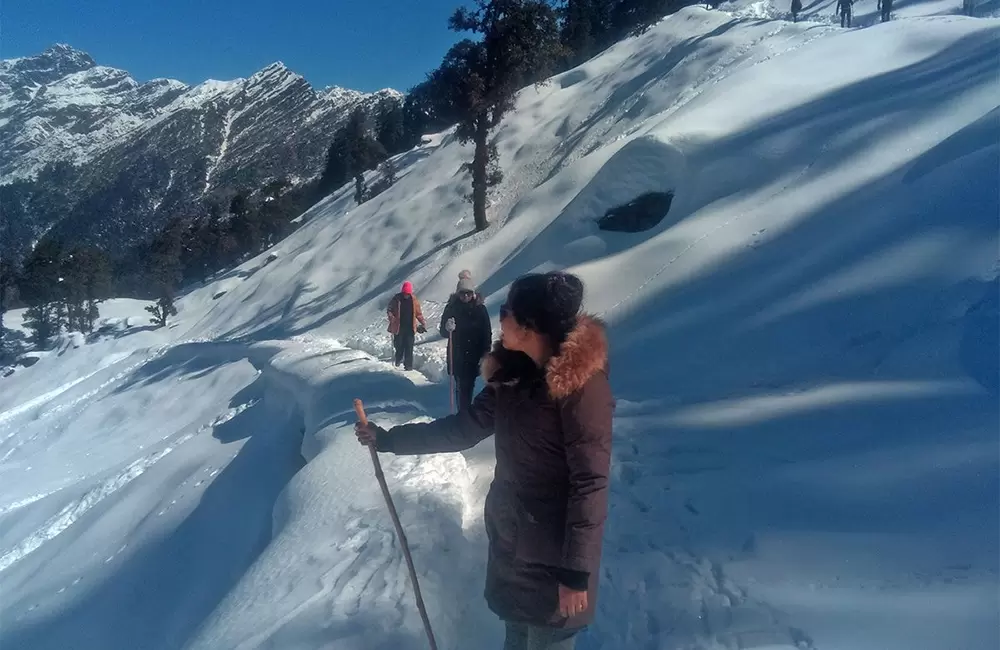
<point>480,162</point>
<point>359,189</point>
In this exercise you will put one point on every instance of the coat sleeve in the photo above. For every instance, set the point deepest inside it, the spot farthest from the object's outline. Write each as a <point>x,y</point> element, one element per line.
<point>445,315</point>
<point>452,433</point>
<point>586,420</point>
<point>487,331</point>
<point>418,312</point>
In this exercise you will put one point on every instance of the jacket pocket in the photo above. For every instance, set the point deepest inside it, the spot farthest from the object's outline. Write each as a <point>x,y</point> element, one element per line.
<point>540,531</point>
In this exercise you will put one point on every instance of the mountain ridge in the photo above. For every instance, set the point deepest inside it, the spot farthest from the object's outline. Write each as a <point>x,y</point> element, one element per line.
<point>130,155</point>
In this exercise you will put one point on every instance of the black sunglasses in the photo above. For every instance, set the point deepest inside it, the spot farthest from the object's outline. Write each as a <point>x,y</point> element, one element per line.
<point>466,294</point>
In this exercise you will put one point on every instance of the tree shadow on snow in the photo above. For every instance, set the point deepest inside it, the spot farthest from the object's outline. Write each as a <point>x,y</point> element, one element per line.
<point>811,381</point>
<point>664,63</point>
<point>292,319</point>
<point>828,130</point>
<point>815,373</point>
<point>183,360</point>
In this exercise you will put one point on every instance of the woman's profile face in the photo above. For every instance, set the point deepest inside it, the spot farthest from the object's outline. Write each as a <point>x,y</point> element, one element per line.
<point>512,334</point>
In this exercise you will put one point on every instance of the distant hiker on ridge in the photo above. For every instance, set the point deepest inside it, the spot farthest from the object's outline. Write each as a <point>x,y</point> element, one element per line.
<point>885,10</point>
<point>466,324</point>
<point>405,321</point>
<point>548,403</point>
<point>844,9</point>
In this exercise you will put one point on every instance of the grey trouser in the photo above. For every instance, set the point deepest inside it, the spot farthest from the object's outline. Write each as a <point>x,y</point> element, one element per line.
<point>521,636</point>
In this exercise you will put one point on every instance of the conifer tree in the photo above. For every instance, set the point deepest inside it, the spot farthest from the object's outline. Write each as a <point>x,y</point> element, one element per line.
<point>8,283</point>
<point>390,129</point>
<point>164,270</point>
<point>519,45</point>
<point>41,288</point>
<point>363,152</point>
<point>86,281</point>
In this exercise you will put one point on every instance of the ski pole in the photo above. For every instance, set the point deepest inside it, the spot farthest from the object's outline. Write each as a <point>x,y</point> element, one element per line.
<point>359,409</point>
<point>451,374</point>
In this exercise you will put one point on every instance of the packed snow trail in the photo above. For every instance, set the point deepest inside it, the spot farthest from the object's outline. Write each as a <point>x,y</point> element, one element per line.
<point>352,589</point>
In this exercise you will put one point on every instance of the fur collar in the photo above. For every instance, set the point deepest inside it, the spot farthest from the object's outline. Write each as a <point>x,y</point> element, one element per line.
<point>583,355</point>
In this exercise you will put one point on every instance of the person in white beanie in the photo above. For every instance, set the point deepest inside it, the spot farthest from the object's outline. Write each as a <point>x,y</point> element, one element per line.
<point>466,324</point>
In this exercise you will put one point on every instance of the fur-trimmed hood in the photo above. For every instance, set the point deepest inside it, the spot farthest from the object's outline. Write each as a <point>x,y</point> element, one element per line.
<point>581,356</point>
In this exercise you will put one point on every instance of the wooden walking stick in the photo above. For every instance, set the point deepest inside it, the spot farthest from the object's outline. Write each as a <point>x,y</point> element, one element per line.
<point>451,368</point>
<point>359,408</point>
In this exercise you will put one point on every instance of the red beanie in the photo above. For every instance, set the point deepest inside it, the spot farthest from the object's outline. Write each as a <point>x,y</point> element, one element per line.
<point>408,287</point>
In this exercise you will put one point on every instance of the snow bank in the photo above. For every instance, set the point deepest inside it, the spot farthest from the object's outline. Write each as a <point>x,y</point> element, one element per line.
<point>333,548</point>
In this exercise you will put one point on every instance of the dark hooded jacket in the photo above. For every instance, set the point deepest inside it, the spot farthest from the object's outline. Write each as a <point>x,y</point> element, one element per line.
<point>547,505</point>
<point>472,336</point>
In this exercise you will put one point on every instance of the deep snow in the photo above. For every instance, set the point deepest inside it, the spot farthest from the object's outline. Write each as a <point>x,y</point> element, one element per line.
<point>803,352</point>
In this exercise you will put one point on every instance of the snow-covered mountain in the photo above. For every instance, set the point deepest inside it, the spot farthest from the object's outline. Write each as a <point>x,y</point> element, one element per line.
<point>803,353</point>
<point>113,158</point>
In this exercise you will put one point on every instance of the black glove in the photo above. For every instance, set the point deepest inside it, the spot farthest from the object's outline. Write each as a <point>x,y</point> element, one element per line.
<point>421,329</point>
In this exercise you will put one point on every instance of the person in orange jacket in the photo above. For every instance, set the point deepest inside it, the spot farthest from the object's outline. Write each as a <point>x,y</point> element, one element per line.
<point>405,321</point>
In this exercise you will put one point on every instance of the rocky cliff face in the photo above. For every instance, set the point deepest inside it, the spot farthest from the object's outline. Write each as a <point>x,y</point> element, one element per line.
<point>89,154</point>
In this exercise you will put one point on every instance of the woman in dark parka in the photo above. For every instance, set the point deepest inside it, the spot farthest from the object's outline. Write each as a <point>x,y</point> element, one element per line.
<point>549,404</point>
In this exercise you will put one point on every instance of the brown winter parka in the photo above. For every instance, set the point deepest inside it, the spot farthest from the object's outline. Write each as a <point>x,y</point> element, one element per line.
<point>547,505</point>
<point>394,309</point>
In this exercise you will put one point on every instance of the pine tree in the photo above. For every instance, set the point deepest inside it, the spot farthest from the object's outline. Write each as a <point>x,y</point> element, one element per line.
<point>164,270</point>
<point>41,288</point>
<point>194,247</point>
<point>244,225</point>
<point>72,303</point>
<point>390,129</point>
<point>631,17</point>
<point>520,44</point>
<point>363,152</point>
<point>42,320</point>
<point>274,189</point>
<point>335,172</point>
<point>8,283</point>
<point>578,30</point>
<point>86,274</point>
<point>163,309</point>
<point>221,245</point>
<point>428,108</point>
<point>270,214</point>
<point>99,283</point>
<point>238,206</point>
<point>389,171</point>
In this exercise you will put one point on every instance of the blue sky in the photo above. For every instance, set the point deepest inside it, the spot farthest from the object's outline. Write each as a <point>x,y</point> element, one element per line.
<point>362,44</point>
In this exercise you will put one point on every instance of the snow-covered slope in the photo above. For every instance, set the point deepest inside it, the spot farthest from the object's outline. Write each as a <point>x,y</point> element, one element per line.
<point>803,353</point>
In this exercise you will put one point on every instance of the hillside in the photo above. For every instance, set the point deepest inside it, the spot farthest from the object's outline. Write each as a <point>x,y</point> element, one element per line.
<point>803,357</point>
<point>88,153</point>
